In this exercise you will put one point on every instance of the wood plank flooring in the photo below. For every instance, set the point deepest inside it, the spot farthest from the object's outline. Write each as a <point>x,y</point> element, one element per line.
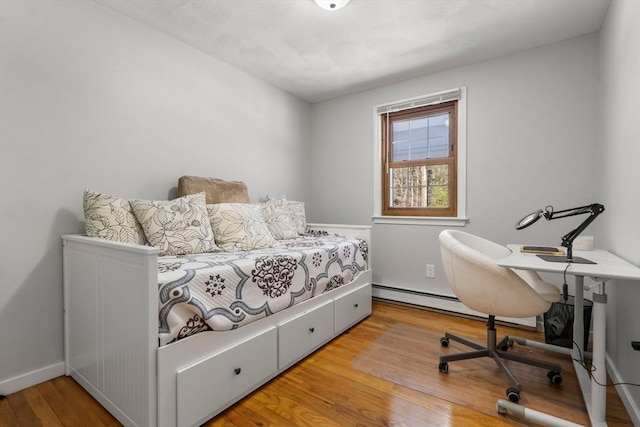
<point>382,372</point>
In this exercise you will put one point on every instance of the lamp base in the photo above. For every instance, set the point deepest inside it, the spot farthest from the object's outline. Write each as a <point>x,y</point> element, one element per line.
<point>563,259</point>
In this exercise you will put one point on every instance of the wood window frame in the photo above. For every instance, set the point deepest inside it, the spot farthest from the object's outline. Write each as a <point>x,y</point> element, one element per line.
<point>451,160</point>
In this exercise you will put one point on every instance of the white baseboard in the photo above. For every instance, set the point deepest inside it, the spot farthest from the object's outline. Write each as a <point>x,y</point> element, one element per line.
<point>439,302</point>
<point>623,391</point>
<point>32,378</point>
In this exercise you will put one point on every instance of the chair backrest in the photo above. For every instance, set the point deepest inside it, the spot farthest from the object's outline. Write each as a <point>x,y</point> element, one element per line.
<point>480,283</point>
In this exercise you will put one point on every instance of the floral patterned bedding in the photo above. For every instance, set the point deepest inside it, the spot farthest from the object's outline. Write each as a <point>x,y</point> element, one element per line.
<point>223,291</point>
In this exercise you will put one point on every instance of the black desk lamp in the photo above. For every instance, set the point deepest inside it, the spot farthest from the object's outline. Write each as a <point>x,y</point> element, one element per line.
<point>593,210</point>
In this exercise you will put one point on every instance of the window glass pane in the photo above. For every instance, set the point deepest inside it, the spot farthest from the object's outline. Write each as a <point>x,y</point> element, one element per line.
<point>401,131</point>
<point>419,187</point>
<point>401,151</point>
<point>439,136</point>
<point>420,138</point>
<point>419,128</point>
<point>439,147</point>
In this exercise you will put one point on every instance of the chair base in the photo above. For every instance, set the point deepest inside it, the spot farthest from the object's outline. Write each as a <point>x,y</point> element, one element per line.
<point>497,351</point>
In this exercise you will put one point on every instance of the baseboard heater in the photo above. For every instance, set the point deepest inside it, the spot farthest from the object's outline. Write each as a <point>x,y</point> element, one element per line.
<point>439,302</point>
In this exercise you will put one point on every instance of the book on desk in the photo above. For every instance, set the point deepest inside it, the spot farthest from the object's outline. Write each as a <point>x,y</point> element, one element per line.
<point>553,254</point>
<point>545,250</point>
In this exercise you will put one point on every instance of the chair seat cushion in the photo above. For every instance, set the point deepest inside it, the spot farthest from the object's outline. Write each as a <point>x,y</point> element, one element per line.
<point>546,290</point>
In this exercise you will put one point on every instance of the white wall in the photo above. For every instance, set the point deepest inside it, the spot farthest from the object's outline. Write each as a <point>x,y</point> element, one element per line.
<point>531,140</point>
<point>93,99</point>
<point>619,185</point>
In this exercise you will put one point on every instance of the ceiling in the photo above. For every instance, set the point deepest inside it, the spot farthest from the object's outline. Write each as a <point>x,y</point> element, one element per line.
<point>317,54</point>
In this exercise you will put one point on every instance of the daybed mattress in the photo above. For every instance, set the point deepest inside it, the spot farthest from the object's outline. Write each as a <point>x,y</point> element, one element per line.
<point>223,291</point>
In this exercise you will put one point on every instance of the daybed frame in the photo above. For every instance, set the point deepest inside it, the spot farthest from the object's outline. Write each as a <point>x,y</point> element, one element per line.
<point>111,336</point>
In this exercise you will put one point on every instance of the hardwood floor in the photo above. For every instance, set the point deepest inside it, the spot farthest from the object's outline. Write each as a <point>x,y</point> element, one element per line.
<point>382,372</point>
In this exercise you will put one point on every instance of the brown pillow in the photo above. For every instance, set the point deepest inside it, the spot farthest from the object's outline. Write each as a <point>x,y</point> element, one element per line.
<point>216,190</point>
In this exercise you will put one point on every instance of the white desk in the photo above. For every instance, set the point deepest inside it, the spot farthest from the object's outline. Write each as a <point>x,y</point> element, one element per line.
<point>608,266</point>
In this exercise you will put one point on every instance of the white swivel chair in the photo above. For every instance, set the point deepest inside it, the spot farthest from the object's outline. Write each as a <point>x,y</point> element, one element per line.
<point>482,285</point>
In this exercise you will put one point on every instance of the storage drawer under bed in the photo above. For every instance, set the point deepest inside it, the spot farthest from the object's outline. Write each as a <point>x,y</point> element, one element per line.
<point>208,385</point>
<point>352,307</point>
<point>302,334</point>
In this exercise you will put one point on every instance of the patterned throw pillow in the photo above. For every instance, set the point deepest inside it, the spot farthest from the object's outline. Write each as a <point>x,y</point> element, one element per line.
<point>239,227</point>
<point>298,215</point>
<point>279,218</point>
<point>176,227</point>
<point>111,218</point>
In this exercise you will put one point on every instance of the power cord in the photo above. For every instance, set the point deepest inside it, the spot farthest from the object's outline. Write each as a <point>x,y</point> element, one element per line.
<point>582,363</point>
<point>565,287</point>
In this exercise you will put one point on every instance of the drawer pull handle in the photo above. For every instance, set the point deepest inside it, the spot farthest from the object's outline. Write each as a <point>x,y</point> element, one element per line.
<point>237,371</point>
<point>312,330</point>
<point>355,305</point>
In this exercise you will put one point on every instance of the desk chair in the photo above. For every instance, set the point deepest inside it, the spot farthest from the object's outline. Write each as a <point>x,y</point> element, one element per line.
<point>482,285</point>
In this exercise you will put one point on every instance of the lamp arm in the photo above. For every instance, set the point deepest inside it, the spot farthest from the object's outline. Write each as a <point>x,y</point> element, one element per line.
<point>567,240</point>
<point>571,236</point>
<point>593,210</point>
<point>550,214</point>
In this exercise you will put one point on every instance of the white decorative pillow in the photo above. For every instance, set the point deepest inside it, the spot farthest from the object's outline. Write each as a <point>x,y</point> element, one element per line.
<point>239,227</point>
<point>298,215</point>
<point>111,218</point>
<point>279,218</point>
<point>176,227</point>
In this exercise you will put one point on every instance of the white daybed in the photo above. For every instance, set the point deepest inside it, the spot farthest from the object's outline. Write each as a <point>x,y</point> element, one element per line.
<point>111,336</point>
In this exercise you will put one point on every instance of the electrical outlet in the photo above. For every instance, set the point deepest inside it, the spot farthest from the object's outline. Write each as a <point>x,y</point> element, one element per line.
<point>431,271</point>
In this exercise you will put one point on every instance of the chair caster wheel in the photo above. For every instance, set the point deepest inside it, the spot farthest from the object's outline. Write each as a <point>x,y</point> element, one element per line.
<point>513,395</point>
<point>443,367</point>
<point>444,341</point>
<point>555,377</point>
<point>505,347</point>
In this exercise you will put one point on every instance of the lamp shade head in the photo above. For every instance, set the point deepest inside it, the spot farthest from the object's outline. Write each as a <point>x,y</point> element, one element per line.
<point>529,219</point>
<point>331,4</point>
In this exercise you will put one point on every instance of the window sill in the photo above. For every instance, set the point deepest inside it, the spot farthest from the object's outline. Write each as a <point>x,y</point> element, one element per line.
<point>421,220</point>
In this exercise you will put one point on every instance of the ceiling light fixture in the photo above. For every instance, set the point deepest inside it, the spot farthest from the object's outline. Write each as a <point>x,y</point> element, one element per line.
<point>331,4</point>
